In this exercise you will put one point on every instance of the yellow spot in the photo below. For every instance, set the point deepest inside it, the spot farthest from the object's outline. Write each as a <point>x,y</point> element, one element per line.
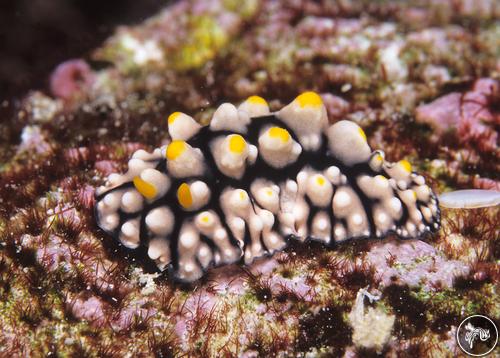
<point>381,178</point>
<point>176,148</point>
<point>379,158</point>
<point>171,119</point>
<point>146,189</point>
<point>320,180</point>
<point>309,99</point>
<point>243,195</point>
<point>237,144</point>
<point>415,195</point>
<point>281,133</point>
<point>269,192</point>
<point>406,165</point>
<point>363,135</point>
<point>257,100</point>
<point>205,218</point>
<point>184,196</point>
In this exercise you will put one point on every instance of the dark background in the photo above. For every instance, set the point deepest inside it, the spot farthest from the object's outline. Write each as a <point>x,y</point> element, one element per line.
<point>36,35</point>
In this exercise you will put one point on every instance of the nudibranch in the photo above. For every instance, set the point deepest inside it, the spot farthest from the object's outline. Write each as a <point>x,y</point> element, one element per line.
<point>243,186</point>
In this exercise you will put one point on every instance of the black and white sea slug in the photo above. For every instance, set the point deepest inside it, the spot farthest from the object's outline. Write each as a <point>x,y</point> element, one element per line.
<point>243,186</point>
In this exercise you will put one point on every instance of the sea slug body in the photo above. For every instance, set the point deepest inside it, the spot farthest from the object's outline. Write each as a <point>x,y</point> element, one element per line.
<point>241,187</point>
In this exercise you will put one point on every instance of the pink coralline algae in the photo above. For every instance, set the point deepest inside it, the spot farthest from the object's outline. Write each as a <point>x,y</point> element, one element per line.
<point>71,79</point>
<point>414,263</point>
<point>90,309</point>
<point>470,114</point>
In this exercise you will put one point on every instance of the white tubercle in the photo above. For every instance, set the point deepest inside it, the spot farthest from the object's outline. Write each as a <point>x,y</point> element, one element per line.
<point>159,251</point>
<point>157,179</point>
<point>376,161</point>
<point>254,106</point>
<point>333,174</point>
<point>346,204</point>
<point>375,187</point>
<point>227,117</point>
<point>400,171</point>
<point>300,213</point>
<point>470,199</point>
<point>423,192</point>
<point>132,201</point>
<point>427,213</point>
<point>181,126</point>
<point>109,221</point>
<point>189,242</point>
<point>160,221</point>
<point>194,195</point>
<point>277,147</point>
<point>342,200</point>
<point>266,195</point>
<point>382,219</point>
<point>339,232</point>
<point>239,202</point>
<point>111,201</point>
<point>184,160</point>
<point>230,154</point>
<point>394,207</point>
<point>307,117</point>
<point>136,166</point>
<point>321,227</point>
<point>129,235</point>
<point>347,142</point>
<point>302,178</point>
<point>319,190</point>
<point>204,255</point>
<point>143,155</point>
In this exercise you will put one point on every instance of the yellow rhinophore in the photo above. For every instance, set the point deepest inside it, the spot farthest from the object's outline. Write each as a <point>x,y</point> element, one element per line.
<point>146,189</point>
<point>184,196</point>
<point>309,99</point>
<point>175,149</point>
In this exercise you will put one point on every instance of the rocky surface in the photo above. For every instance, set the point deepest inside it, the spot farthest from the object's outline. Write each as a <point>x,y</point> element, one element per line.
<point>421,77</point>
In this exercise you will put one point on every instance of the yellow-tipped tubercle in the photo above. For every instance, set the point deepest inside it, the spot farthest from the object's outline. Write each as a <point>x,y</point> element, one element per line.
<point>237,144</point>
<point>184,196</point>
<point>309,99</point>
<point>175,149</point>
<point>406,165</point>
<point>362,134</point>
<point>171,119</point>
<point>146,189</point>
<point>257,100</point>
<point>281,133</point>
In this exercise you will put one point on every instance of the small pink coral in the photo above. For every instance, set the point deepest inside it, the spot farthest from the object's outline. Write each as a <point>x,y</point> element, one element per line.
<point>71,78</point>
